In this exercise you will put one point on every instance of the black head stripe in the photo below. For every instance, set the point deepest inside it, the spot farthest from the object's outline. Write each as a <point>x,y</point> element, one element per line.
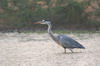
<point>45,20</point>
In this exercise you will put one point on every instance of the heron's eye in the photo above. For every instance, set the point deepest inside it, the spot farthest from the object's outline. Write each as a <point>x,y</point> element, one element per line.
<point>43,20</point>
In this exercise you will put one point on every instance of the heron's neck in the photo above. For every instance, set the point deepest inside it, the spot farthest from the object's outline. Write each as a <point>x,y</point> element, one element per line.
<point>50,32</point>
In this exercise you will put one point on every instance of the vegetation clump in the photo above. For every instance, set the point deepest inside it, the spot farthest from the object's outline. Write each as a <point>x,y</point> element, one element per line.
<point>66,14</point>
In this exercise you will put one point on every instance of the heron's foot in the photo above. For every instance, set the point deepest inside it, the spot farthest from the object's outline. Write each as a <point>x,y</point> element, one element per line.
<point>71,50</point>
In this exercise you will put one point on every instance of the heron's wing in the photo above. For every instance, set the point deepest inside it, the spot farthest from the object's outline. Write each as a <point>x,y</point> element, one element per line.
<point>68,42</point>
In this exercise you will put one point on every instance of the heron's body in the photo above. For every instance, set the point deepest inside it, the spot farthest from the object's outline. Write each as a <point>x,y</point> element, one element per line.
<point>62,40</point>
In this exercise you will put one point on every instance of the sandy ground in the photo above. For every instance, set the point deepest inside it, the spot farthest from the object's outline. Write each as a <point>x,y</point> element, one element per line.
<point>40,50</point>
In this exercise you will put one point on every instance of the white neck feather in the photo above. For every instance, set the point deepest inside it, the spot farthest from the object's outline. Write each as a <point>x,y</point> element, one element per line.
<point>50,32</point>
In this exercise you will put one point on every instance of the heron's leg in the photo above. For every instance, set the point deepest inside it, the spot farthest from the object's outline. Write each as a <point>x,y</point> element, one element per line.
<point>71,50</point>
<point>64,50</point>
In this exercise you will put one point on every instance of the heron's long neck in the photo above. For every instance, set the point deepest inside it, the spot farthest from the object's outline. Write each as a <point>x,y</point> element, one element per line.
<point>50,32</point>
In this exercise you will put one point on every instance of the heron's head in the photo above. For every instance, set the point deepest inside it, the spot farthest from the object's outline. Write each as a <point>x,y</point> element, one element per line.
<point>43,22</point>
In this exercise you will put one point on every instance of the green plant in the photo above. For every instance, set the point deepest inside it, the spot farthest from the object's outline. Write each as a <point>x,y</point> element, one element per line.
<point>68,14</point>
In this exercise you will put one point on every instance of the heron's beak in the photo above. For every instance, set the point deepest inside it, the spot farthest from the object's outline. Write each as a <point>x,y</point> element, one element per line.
<point>37,23</point>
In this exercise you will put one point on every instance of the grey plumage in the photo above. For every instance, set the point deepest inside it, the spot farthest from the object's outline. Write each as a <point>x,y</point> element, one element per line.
<point>62,40</point>
<point>69,42</point>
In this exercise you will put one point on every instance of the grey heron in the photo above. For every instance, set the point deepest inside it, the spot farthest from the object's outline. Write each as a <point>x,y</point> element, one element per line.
<point>62,40</point>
